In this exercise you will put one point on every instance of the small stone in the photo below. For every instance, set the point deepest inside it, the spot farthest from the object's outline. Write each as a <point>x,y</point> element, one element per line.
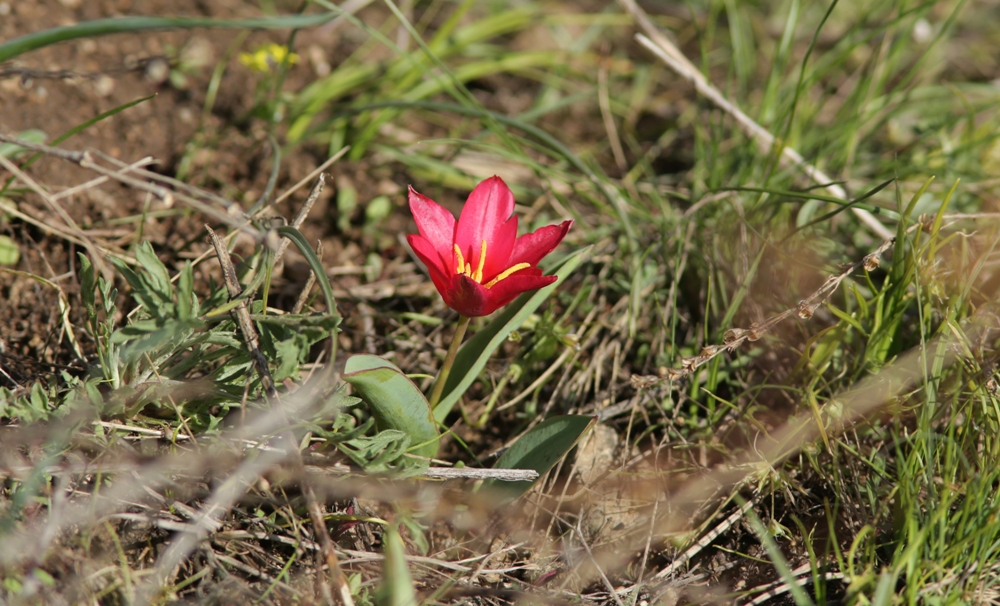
<point>157,70</point>
<point>104,86</point>
<point>317,57</point>
<point>922,31</point>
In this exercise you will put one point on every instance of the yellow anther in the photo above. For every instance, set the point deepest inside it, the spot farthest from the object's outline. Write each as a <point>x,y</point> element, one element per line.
<point>478,276</point>
<point>506,274</point>
<point>461,260</point>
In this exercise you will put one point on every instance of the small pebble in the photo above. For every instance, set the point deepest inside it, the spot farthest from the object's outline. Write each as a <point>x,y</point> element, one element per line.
<point>157,70</point>
<point>922,31</point>
<point>104,86</point>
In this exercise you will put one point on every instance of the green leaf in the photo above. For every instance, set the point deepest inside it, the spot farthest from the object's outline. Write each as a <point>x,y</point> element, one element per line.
<point>159,277</point>
<point>476,352</point>
<point>88,286</point>
<point>12,150</point>
<point>10,253</point>
<point>397,586</point>
<point>378,453</point>
<point>539,449</point>
<point>186,301</point>
<point>314,264</point>
<point>123,25</point>
<point>146,337</point>
<point>396,403</point>
<point>44,577</point>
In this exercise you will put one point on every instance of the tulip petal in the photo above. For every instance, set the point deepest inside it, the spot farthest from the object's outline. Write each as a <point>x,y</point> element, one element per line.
<point>508,289</point>
<point>434,221</point>
<point>499,250</point>
<point>437,267</point>
<point>468,297</point>
<point>531,248</point>
<point>484,218</point>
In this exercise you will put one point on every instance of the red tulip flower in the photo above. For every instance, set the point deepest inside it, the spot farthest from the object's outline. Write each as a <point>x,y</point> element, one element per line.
<point>478,263</point>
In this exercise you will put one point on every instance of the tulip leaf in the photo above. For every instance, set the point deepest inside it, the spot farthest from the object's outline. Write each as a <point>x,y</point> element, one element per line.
<point>397,585</point>
<point>394,400</point>
<point>476,352</point>
<point>539,449</point>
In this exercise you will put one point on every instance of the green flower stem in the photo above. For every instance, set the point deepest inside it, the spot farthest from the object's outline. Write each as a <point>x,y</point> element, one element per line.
<point>449,360</point>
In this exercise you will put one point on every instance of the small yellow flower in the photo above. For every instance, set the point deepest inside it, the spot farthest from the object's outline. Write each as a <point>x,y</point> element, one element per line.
<point>268,57</point>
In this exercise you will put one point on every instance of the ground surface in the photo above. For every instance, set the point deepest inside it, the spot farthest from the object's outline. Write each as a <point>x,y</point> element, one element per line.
<point>860,427</point>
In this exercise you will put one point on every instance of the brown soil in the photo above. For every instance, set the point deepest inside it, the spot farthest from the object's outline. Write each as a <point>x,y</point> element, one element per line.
<point>61,87</point>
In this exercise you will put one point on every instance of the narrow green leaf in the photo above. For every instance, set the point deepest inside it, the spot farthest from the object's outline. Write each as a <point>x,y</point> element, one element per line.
<point>159,277</point>
<point>102,116</point>
<point>395,401</point>
<point>122,25</point>
<point>186,300</point>
<point>843,207</point>
<point>314,264</point>
<point>539,449</point>
<point>813,195</point>
<point>477,350</point>
<point>397,586</point>
<point>88,286</point>
<point>777,558</point>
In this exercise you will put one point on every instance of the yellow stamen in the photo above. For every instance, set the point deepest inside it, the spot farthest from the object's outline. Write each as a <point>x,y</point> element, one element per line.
<point>506,274</point>
<point>478,276</point>
<point>461,260</point>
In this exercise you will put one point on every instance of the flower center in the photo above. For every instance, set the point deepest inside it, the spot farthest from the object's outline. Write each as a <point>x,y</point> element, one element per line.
<point>466,268</point>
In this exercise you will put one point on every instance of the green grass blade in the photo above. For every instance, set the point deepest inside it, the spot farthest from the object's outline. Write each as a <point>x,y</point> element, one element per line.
<point>777,558</point>
<point>314,264</point>
<point>123,25</point>
<point>397,585</point>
